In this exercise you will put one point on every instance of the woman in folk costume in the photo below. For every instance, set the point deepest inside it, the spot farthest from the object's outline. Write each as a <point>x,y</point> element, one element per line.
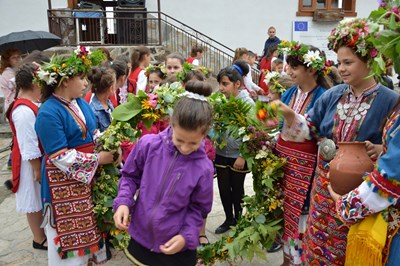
<point>376,203</point>
<point>353,111</point>
<point>307,70</point>
<point>372,209</point>
<point>66,127</point>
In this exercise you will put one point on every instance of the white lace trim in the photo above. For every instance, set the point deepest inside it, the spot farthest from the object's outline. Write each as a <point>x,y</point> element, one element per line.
<point>195,96</point>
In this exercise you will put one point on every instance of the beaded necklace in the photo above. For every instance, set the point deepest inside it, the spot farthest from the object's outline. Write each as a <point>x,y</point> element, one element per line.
<point>351,112</point>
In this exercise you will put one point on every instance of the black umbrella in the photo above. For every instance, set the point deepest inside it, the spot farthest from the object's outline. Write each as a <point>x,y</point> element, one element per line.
<point>29,40</point>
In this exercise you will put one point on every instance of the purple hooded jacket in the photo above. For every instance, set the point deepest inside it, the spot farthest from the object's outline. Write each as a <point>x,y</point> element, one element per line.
<point>174,191</point>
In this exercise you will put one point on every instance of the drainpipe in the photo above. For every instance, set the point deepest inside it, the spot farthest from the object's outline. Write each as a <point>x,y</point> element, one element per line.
<point>159,22</point>
<point>48,15</point>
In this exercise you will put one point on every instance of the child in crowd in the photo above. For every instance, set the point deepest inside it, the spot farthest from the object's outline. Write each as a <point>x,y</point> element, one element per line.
<point>121,73</point>
<point>140,59</point>
<point>155,75</point>
<point>174,192</point>
<point>231,167</point>
<point>174,64</point>
<point>285,82</point>
<point>195,55</point>
<point>266,65</point>
<point>277,66</point>
<point>253,89</point>
<point>251,58</point>
<point>26,152</point>
<point>121,69</point>
<point>122,91</point>
<point>10,59</point>
<point>103,85</point>
<point>66,128</point>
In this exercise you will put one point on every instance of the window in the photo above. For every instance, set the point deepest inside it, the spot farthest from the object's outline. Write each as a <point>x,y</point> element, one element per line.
<point>308,7</point>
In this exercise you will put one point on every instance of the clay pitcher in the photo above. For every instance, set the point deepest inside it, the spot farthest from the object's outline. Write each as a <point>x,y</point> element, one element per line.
<point>348,167</point>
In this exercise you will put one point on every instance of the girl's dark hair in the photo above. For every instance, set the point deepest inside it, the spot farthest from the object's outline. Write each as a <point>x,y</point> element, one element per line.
<point>138,54</point>
<point>159,73</point>
<point>101,79</point>
<point>233,73</point>
<point>24,82</point>
<point>194,74</point>
<point>5,58</point>
<point>191,114</point>
<point>196,49</point>
<point>271,51</point>
<point>120,68</point>
<point>176,56</point>
<point>294,61</point>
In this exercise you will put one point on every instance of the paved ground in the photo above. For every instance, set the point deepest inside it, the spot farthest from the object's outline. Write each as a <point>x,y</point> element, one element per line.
<point>15,236</point>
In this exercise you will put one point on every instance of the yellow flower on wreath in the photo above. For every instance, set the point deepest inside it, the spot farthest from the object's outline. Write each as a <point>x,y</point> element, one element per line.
<point>153,116</point>
<point>146,105</point>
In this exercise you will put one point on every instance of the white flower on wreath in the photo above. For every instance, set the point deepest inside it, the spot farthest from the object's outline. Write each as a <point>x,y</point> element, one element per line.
<point>310,57</point>
<point>246,138</point>
<point>271,75</point>
<point>261,154</point>
<point>242,131</point>
<point>49,78</point>
<point>285,50</point>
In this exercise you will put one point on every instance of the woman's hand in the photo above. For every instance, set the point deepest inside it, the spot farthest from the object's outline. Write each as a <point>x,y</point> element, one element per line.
<point>239,163</point>
<point>335,196</point>
<point>121,217</point>
<point>373,150</point>
<point>174,245</point>
<point>106,157</point>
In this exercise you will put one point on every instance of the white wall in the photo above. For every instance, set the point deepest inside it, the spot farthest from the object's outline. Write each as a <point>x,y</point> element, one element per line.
<point>238,23</point>
<point>19,15</point>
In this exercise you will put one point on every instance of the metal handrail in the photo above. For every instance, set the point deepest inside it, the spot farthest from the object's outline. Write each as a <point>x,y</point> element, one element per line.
<point>136,27</point>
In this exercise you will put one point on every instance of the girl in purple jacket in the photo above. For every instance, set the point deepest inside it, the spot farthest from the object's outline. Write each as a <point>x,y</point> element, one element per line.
<point>175,182</point>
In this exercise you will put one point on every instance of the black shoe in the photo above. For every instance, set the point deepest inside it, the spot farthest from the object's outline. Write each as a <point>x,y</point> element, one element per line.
<point>274,248</point>
<point>226,226</point>
<point>8,184</point>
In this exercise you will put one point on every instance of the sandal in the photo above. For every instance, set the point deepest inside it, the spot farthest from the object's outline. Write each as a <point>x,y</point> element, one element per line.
<point>39,246</point>
<point>206,243</point>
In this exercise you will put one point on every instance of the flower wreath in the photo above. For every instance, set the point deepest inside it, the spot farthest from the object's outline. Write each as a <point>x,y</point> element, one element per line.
<point>353,33</point>
<point>152,68</point>
<point>271,79</point>
<point>303,53</point>
<point>187,67</point>
<point>58,68</point>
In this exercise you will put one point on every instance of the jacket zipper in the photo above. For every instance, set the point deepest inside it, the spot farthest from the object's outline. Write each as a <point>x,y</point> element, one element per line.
<point>166,173</point>
<point>172,189</point>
